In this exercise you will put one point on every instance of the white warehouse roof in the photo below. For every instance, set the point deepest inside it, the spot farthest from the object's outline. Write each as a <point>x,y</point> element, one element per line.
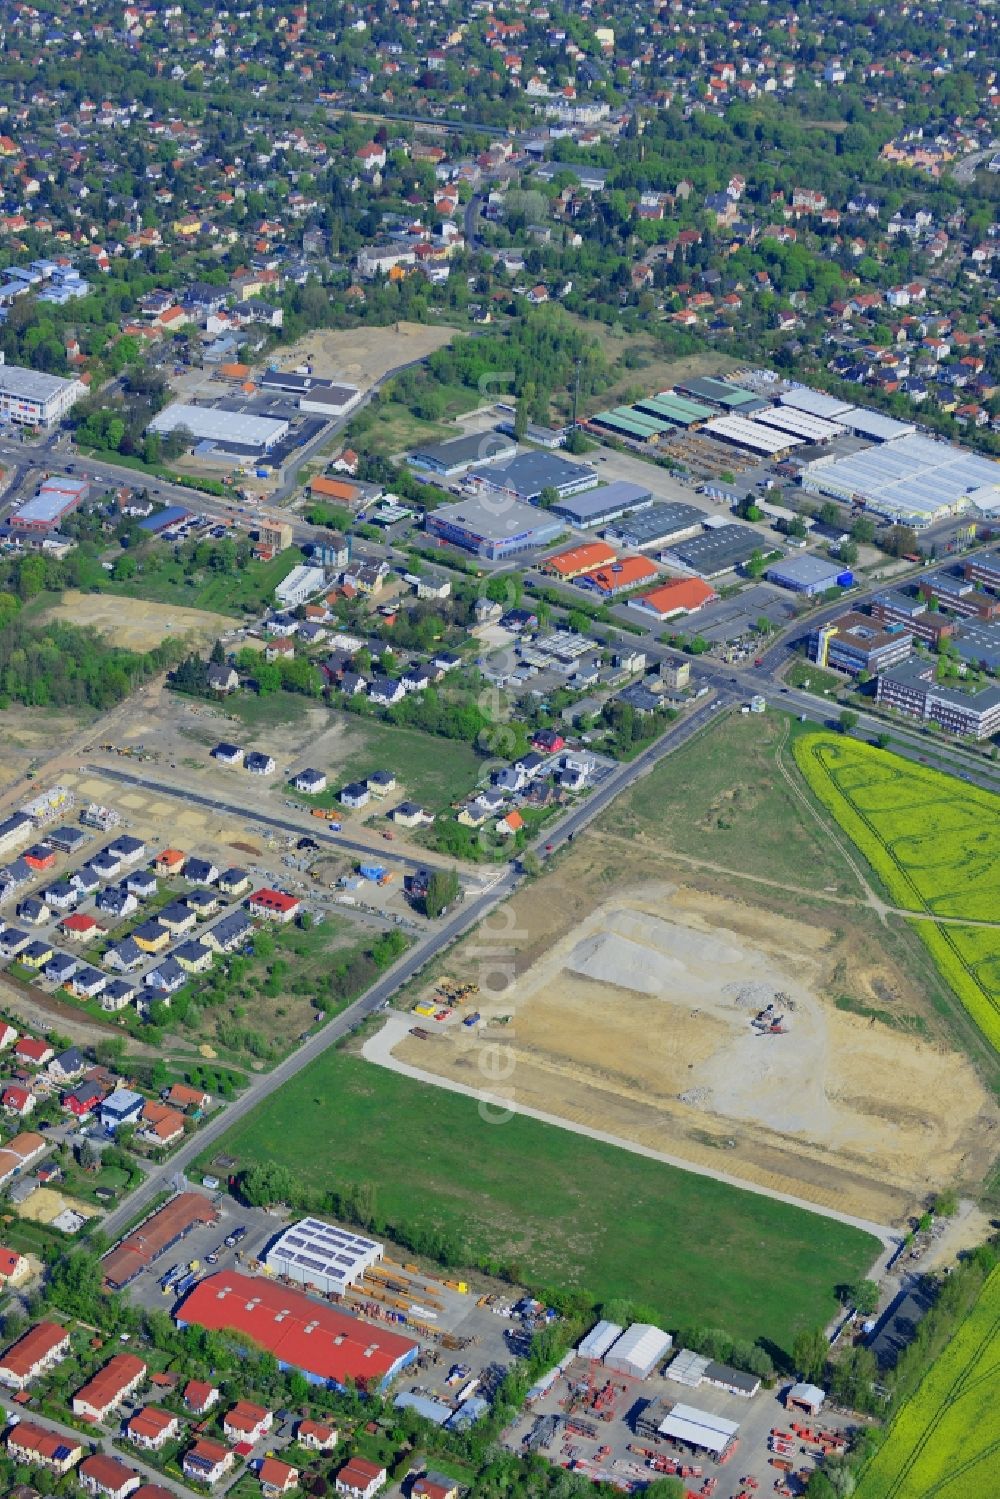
<point>599,1339</point>
<point>320,1254</point>
<point>748,434</point>
<point>639,1350</point>
<point>799,423</point>
<point>816,402</point>
<point>208,423</point>
<point>686,1423</point>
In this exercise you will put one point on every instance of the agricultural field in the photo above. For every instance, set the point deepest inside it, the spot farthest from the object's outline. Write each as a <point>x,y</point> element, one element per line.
<point>596,1217</point>
<point>945,1442</point>
<point>932,841</point>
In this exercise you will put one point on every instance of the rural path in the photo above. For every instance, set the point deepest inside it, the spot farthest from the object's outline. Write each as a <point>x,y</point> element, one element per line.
<point>379,1049</point>
<point>824,895</point>
<point>877,904</point>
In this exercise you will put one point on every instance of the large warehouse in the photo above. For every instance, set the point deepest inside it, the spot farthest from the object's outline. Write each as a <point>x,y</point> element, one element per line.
<point>232,431</point>
<point>658,525</point>
<point>493,528</point>
<point>698,1428</point>
<point>526,476</point>
<point>912,479</point>
<point>605,504</point>
<point>638,1351</point>
<point>319,1255</point>
<point>31,399</point>
<point>327,1346</point>
<point>718,550</point>
<point>460,453</point>
<point>809,575</point>
<point>742,432</point>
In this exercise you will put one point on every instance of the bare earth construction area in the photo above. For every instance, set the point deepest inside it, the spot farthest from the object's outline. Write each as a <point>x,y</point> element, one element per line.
<point>634,1015</point>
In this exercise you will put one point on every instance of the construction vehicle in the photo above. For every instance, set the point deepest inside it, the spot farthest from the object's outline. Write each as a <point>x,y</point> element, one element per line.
<point>781,1463</point>
<point>388,877</point>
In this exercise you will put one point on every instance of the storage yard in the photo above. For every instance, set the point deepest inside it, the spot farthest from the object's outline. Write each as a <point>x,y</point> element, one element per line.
<point>710,1425</point>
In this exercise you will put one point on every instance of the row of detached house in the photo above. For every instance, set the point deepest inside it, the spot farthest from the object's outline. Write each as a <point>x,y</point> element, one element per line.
<point>208,1460</point>
<point>159,953</point>
<point>38,1074</point>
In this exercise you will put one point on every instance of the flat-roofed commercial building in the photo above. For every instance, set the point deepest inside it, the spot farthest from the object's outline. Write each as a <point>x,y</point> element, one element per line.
<point>233,431</point>
<point>461,453</point>
<point>493,528</point>
<point>525,477</point>
<point>604,504</point>
<point>56,497</point>
<point>321,1255</point>
<point>857,642</point>
<point>31,399</point>
<point>910,688</point>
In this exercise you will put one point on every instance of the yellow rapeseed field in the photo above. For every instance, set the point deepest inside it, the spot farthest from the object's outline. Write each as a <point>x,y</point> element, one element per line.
<point>945,1442</point>
<point>933,841</point>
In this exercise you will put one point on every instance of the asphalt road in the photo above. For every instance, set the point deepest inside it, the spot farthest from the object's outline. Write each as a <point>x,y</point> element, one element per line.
<point>316,828</point>
<point>459,922</point>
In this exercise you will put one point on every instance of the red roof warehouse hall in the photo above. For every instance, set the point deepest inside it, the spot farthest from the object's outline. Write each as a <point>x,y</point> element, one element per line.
<point>327,1346</point>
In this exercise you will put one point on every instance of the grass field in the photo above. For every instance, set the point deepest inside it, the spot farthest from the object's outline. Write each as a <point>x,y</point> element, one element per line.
<point>248,589</point>
<point>745,816</point>
<point>932,840</point>
<point>945,1442</point>
<point>432,771</point>
<point>566,1211</point>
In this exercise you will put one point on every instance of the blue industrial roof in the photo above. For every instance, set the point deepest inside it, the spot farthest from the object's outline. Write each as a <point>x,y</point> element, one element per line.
<point>164,518</point>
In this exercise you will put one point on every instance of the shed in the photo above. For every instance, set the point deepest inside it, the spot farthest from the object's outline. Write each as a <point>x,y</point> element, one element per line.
<point>599,1340</point>
<point>698,1428</point>
<point>805,1397</point>
<point>638,1351</point>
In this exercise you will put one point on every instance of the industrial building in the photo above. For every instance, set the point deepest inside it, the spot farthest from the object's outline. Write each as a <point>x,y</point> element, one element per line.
<point>679,596</point>
<point>31,399</point>
<point>717,550</point>
<point>912,479</point>
<point>461,453</point>
<point>320,1255</point>
<point>675,409</point>
<point>718,392</point>
<point>56,498</point>
<point>154,1236</point>
<point>328,1346</point>
<point>658,525</point>
<point>577,560</point>
<point>856,642</point>
<point>493,529</point>
<point>171,515</point>
<point>984,569</point>
<point>625,421</point>
<point>599,1340</point>
<point>815,402</point>
<point>604,504</point>
<point>813,429</point>
<point>744,433</point>
<point>910,688</point>
<point>620,577</point>
<point>809,575</point>
<point>233,431</point>
<point>525,477</point>
<point>638,1351</point>
<point>698,1428</point>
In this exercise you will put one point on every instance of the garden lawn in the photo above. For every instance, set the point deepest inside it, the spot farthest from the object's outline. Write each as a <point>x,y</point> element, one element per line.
<point>560,1210</point>
<point>932,840</point>
<point>945,1441</point>
<point>247,589</point>
<point>432,771</point>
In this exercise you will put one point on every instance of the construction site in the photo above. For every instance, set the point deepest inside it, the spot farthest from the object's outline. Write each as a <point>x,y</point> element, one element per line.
<point>697,1024</point>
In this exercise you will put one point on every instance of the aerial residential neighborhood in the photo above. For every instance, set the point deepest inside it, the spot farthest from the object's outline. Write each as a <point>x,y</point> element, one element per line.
<point>500,694</point>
